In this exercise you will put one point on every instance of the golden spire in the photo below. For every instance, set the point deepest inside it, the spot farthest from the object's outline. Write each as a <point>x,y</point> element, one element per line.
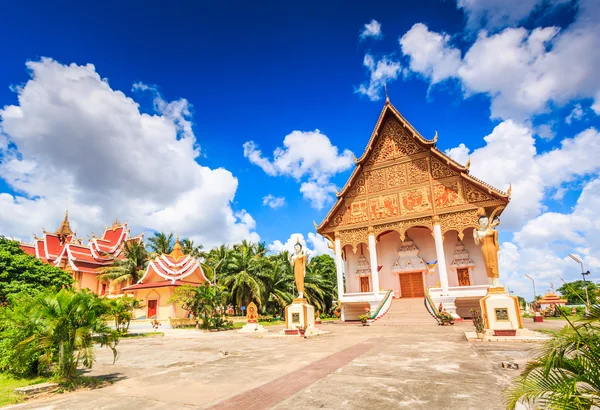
<point>387,98</point>
<point>116,224</point>
<point>177,252</point>
<point>65,229</point>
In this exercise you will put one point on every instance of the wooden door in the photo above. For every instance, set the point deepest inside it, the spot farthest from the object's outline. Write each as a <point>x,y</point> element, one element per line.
<point>411,285</point>
<point>364,284</point>
<point>463,277</point>
<point>152,308</point>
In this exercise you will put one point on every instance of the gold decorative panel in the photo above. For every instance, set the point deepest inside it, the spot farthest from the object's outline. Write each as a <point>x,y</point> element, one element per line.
<point>358,212</point>
<point>375,180</point>
<point>384,206</point>
<point>440,170</point>
<point>353,237</point>
<point>396,176</point>
<point>418,171</point>
<point>393,142</point>
<point>415,200</point>
<point>447,194</point>
<point>459,221</point>
<point>474,195</point>
<point>358,188</point>
<point>402,226</point>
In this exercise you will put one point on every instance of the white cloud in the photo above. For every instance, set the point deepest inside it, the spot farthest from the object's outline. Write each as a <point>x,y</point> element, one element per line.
<point>493,14</point>
<point>521,71</point>
<point>305,154</point>
<point>510,157</point>
<point>380,73</point>
<point>372,29</point>
<point>540,249</point>
<point>83,143</point>
<point>274,201</point>
<point>318,244</point>
<point>430,53</point>
<point>460,154</point>
<point>545,131</point>
<point>576,114</point>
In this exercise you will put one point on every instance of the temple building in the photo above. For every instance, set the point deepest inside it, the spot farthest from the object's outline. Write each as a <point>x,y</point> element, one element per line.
<point>550,299</point>
<point>163,275</point>
<point>64,250</point>
<point>404,222</point>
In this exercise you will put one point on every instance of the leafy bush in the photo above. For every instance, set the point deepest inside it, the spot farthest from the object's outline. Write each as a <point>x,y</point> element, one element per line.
<point>477,321</point>
<point>121,311</point>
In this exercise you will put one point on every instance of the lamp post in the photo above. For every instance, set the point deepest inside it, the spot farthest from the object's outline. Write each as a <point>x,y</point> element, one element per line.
<point>583,275</point>
<point>533,282</point>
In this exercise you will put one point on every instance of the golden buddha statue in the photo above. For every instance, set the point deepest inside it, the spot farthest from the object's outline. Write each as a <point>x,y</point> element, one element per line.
<point>298,261</point>
<point>487,237</point>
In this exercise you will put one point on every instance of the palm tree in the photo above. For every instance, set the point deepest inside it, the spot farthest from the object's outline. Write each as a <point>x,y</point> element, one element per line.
<point>67,324</point>
<point>566,373</point>
<point>241,277</point>
<point>129,269</point>
<point>160,244</point>
<point>188,248</point>
<point>321,282</point>
<point>278,279</point>
<point>217,259</point>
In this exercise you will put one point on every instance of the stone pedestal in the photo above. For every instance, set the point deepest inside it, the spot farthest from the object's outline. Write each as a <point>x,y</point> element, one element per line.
<point>299,314</point>
<point>501,312</point>
<point>252,328</point>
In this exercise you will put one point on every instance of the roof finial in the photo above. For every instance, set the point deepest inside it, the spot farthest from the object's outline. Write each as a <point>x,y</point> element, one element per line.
<point>509,190</point>
<point>387,97</point>
<point>435,137</point>
<point>468,165</point>
<point>177,252</point>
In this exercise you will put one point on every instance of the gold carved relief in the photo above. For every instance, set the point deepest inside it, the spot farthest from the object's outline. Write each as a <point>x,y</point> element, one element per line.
<point>375,180</point>
<point>417,171</point>
<point>384,206</point>
<point>440,170</point>
<point>353,237</point>
<point>394,142</point>
<point>358,212</point>
<point>391,226</point>
<point>474,195</point>
<point>402,226</point>
<point>359,187</point>
<point>459,221</point>
<point>415,200</point>
<point>396,176</point>
<point>426,222</point>
<point>447,194</point>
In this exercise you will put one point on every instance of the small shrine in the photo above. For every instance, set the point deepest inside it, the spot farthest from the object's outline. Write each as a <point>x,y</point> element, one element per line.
<point>550,299</point>
<point>363,267</point>
<point>462,264</point>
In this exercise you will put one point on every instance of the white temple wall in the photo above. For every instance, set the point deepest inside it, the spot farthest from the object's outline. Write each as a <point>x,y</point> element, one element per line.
<point>478,274</point>
<point>351,264</point>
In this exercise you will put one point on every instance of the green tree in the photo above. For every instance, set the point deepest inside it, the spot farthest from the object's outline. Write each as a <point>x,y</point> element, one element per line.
<point>566,374</point>
<point>574,292</point>
<point>278,280</point>
<point>320,282</point>
<point>131,268</point>
<point>59,330</point>
<point>121,311</point>
<point>20,272</point>
<point>242,274</point>
<point>189,248</point>
<point>161,243</point>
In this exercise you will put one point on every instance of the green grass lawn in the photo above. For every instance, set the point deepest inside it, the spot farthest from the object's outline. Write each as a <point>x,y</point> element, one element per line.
<point>8,384</point>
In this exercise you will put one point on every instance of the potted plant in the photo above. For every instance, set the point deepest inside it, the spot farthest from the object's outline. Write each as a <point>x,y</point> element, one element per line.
<point>478,323</point>
<point>446,318</point>
<point>301,330</point>
<point>365,319</point>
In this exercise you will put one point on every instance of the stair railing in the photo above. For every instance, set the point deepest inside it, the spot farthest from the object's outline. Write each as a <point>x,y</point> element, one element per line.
<point>431,308</point>
<point>381,305</point>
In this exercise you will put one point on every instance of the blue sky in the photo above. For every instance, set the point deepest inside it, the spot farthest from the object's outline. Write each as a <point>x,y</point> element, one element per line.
<point>259,71</point>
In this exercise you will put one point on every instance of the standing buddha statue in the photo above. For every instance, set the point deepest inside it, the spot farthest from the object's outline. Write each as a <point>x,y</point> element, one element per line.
<point>487,237</point>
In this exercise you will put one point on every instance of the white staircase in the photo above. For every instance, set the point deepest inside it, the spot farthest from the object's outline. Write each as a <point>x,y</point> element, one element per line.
<point>406,311</point>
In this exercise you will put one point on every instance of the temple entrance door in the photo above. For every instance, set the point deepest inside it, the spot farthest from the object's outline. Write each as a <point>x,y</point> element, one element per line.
<point>411,285</point>
<point>152,308</point>
<point>364,284</point>
<point>463,277</point>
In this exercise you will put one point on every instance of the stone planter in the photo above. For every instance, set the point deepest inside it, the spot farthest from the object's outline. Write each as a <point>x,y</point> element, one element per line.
<point>511,332</point>
<point>291,331</point>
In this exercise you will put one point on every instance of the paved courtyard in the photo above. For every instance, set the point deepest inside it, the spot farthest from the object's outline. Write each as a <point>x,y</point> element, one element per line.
<point>353,367</point>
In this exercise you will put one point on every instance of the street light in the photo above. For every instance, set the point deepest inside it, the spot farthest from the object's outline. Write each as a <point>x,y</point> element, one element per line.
<point>533,281</point>
<point>583,275</point>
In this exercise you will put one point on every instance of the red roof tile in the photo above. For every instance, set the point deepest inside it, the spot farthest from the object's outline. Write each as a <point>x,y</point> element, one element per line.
<point>161,284</point>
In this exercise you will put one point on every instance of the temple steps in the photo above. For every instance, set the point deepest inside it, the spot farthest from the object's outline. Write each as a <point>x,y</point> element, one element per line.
<point>406,311</point>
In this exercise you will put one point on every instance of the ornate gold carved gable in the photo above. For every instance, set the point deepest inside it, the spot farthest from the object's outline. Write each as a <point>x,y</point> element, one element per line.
<point>358,188</point>
<point>393,142</point>
<point>440,170</point>
<point>475,195</point>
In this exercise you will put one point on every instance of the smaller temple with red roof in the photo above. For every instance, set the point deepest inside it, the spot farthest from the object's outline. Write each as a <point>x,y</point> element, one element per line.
<point>64,250</point>
<point>163,275</point>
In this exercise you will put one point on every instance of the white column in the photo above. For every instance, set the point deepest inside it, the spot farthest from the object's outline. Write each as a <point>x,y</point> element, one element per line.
<point>373,262</point>
<point>338,268</point>
<point>441,258</point>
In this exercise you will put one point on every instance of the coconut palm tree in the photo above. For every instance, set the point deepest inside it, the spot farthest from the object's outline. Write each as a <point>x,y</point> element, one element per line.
<point>566,373</point>
<point>189,248</point>
<point>129,269</point>
<point>217,259</point>
<point>241,274</point>
<point>161,243</point>
<point>67,324</point>
<point>278,278</point>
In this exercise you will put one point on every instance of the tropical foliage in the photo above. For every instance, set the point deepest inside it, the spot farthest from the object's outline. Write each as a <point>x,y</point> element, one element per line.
<point>120,310</point>
<point>20,272</point>
<point>130,269</point>
<point>566,373</point>
<point>574,292</point>
<point>205,302</point>
<point>53,332</point>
